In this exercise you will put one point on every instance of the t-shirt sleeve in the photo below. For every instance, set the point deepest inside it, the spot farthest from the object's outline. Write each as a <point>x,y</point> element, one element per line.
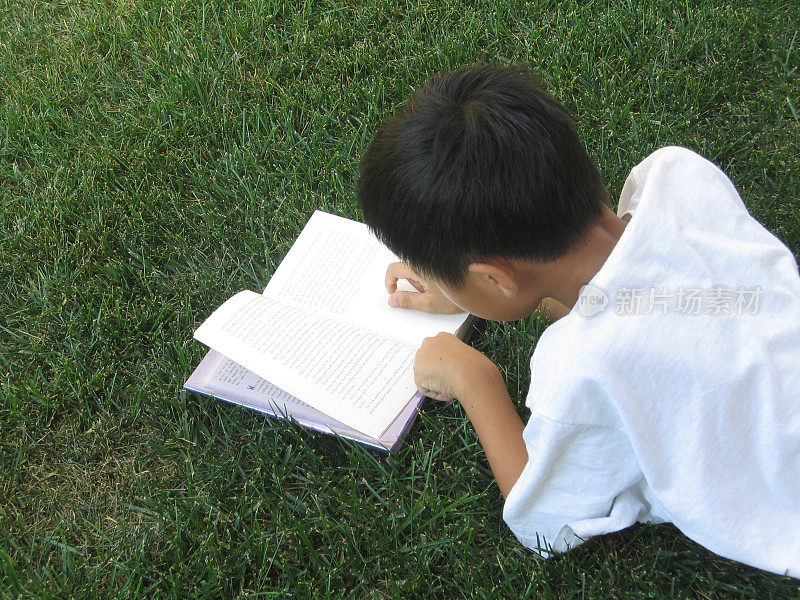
<point>629,199</point>
<point>677,172</point>
<point>580,481</point>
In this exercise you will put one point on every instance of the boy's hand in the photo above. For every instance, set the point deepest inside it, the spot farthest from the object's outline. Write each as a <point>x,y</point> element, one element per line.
<point>446,368</point>
<point>427,297</point>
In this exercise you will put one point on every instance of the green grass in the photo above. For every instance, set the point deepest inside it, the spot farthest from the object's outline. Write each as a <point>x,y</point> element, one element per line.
<point>158,156</point>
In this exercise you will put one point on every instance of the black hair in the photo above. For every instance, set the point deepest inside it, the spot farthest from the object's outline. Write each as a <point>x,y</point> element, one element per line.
<point>479,163</point>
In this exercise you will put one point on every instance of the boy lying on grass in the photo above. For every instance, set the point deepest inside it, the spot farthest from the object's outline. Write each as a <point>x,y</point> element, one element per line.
<point>669,391</point>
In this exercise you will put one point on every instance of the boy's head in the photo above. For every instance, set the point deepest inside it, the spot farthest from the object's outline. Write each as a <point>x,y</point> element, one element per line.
<point>479,163</point>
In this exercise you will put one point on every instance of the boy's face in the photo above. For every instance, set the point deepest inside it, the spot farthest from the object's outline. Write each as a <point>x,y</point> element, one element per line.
<point>492,292</point>
<point>507,289</point>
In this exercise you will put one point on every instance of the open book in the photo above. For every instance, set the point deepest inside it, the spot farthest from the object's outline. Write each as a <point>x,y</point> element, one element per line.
<point>321,344</point>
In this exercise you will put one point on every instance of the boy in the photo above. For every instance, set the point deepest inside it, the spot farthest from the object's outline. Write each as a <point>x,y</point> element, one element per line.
<point>669,392</point>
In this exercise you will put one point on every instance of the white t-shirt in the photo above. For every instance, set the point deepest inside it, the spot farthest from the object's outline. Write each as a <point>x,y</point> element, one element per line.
<point>671,391</point>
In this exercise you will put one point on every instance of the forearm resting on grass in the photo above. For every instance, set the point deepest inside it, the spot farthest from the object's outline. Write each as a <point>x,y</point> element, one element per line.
<point>446,367</point>
<point>499,429</point>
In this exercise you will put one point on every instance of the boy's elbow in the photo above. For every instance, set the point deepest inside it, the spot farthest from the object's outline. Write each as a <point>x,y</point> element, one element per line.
<point>517,460</point>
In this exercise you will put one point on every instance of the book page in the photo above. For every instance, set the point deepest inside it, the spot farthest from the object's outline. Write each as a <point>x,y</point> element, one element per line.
<point>337,266</point>
<point>352,374</point>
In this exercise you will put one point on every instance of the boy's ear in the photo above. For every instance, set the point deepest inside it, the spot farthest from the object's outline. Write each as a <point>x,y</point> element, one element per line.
<point>498,271</point>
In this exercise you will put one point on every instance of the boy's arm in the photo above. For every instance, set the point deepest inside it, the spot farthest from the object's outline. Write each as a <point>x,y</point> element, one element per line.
<point>499,429</point>
<point>446,367</point>
<point>552,310</point>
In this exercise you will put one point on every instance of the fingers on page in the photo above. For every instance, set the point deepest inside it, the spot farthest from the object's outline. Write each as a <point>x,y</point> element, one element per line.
<point>392,277</point>
<point>401,270</point>
<point>404,300</point>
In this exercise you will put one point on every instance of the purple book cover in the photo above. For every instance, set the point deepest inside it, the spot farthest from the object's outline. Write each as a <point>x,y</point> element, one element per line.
<point>222,378</point>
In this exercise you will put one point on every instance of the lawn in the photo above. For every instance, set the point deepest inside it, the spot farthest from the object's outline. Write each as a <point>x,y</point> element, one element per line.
<point>158,156</point>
